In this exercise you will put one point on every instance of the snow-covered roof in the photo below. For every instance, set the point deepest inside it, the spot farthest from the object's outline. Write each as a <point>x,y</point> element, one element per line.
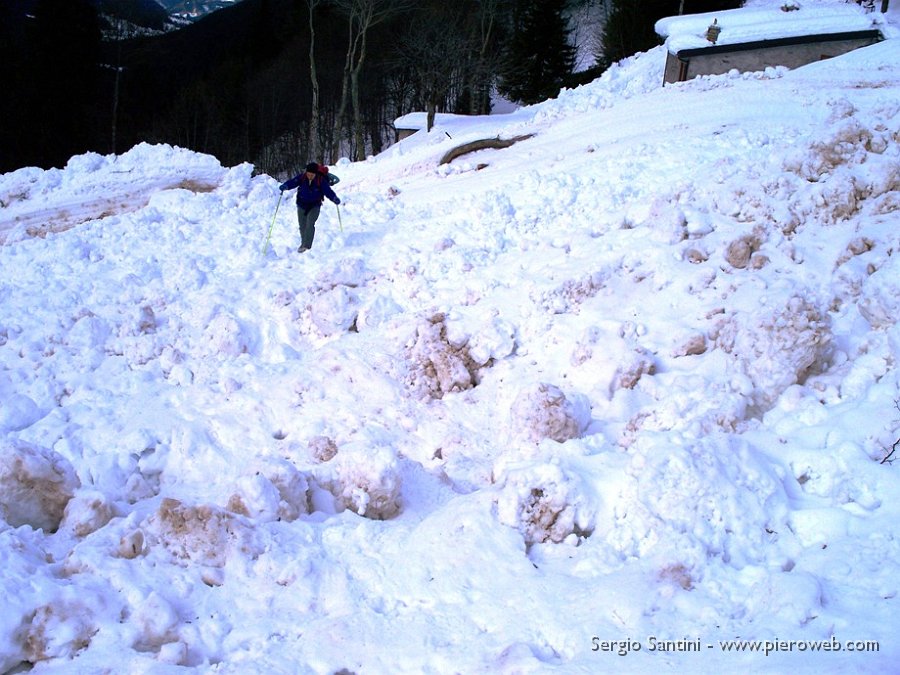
<point>766,23</point>
<point>454,124</point>
<point>418,120</point>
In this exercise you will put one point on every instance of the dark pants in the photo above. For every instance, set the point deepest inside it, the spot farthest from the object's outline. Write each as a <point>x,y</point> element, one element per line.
<point>306,218</point>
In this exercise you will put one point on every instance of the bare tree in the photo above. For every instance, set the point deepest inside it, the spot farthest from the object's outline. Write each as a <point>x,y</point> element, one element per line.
<point>486,54</point>
<point>314,147</point>
<point>362,15</point>
<point>435,50</point>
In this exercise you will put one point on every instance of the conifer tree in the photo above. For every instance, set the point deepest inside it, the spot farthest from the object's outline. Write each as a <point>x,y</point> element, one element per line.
<point>539,57</point>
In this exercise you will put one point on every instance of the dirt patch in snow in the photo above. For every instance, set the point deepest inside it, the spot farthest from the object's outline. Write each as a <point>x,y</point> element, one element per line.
<point>51,218</point>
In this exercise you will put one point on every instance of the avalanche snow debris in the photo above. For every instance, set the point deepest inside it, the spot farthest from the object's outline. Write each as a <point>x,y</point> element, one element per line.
<point>635,376</point>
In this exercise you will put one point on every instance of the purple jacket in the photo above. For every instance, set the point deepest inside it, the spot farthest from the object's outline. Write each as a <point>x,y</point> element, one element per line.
<point>310,193</point>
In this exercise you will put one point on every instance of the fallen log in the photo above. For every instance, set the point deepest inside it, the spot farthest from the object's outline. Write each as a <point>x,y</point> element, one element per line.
<point>496,143</point>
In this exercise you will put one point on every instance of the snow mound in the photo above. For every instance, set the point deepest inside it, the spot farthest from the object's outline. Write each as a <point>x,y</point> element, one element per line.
<point>716,497</point>
<point>36,485</point>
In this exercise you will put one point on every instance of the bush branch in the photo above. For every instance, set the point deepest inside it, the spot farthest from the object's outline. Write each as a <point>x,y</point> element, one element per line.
<point>887,458</point>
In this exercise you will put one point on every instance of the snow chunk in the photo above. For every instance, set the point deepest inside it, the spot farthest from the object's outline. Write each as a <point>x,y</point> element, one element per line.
<point>365,480</point>
<point>202,534</point>
<point>350,272</point>
<point>543,411</point>
<point>272,490</point>
<point>86,163</point>
<point>157,621</point>
<point>36,484</point>
<point>779,347</point>
<point>615,362</point>
<point>131,545</point>
<point>87,512</point>
<point>322,448</point>
<point>546,502</point>
<point>667,221</point>
<point>880,302</point>
<point>497,340</point>
<point>440,365</point>
<point>739,253</point>
<point>225,335</point>
<point>847,143</point>
<point>18,412</point>
<point>58,630</point>
<point>335,311</point>
<point>255,497</point>
<point>377,311</point>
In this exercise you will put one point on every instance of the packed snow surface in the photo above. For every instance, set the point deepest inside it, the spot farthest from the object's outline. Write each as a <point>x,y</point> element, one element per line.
<point>620,397</point>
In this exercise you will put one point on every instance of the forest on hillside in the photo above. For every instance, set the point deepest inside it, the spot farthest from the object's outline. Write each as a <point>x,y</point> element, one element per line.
<point>275,82</point>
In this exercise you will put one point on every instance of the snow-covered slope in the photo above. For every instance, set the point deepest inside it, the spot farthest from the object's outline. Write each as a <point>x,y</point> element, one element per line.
<point>629,380</point>
<point>194,9</point>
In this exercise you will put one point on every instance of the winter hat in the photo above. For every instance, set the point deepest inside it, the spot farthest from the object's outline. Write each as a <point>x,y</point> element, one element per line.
<point>312,166</point>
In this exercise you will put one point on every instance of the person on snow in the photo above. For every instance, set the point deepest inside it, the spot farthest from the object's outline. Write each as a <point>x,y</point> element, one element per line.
<point>312,189</point>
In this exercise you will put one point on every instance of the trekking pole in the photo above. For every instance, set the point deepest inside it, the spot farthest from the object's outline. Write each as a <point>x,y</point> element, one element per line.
<point>266,247</point>
<point>339,217</point>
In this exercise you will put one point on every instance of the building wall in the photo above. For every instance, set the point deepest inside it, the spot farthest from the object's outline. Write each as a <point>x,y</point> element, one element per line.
<point>791,56</point>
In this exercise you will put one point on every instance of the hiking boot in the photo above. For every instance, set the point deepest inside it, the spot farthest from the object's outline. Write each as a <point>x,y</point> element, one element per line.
<point>302,249</point>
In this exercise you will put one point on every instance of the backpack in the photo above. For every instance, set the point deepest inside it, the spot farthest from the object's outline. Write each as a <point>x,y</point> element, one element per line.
<point>330,177</point>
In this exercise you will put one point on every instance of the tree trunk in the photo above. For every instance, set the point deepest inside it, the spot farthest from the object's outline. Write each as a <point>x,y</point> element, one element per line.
<point>365,12</point>
<point>358,135</point>
<point>362,15</point>
<point>430,114</point>
<point>489,10</point>
<point>337,134</point>
<point>314,86</point>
